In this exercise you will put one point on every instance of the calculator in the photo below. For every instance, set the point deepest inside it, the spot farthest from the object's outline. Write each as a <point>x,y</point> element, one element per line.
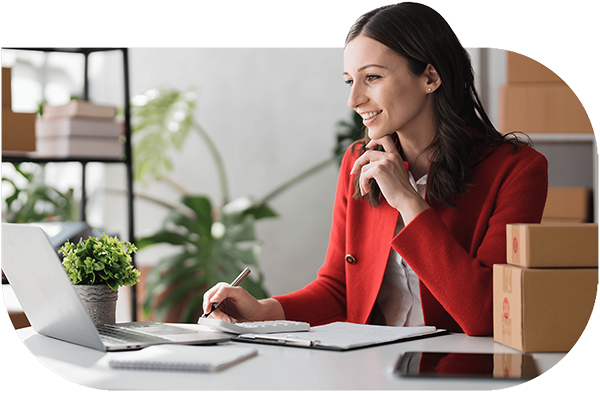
<point>266,327</point>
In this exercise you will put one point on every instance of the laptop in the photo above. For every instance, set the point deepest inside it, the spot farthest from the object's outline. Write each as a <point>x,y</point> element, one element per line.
<point>54,309</point>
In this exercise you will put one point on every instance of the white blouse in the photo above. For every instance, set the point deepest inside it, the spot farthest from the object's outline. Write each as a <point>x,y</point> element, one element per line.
<point>399,298</point>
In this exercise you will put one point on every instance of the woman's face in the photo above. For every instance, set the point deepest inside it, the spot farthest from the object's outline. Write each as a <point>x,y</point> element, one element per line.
<point>388,96</point>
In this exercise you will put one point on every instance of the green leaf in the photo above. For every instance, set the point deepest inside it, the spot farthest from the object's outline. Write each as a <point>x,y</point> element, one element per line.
<point>203,209</point>
<point>261,211</point>
<point>243,231</point>
<point>162,236</point>
<point>100,261</point>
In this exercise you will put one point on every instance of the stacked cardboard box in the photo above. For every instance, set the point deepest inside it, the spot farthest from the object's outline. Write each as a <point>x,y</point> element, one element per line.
<point>535,100</point>
<point>568,205</point>
<point>544,296</point>
<point>79,129</point>
<point>18,129</point>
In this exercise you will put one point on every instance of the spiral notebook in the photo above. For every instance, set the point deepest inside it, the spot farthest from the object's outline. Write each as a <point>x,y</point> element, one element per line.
<point>182,358</point>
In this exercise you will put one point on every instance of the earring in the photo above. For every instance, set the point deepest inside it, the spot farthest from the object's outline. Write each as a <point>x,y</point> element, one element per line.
<point>429,90</point>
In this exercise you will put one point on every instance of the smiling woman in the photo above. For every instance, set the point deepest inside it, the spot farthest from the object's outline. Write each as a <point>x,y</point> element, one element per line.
<point>422,202</point>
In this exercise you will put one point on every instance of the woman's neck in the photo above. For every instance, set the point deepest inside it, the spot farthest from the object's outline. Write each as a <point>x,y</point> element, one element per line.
<point>413,151</point>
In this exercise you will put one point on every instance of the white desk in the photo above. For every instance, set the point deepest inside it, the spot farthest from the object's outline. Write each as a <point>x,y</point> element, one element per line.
<point>278,368</point>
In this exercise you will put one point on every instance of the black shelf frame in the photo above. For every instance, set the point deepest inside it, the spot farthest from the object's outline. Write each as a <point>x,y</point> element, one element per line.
<point>126,159</point>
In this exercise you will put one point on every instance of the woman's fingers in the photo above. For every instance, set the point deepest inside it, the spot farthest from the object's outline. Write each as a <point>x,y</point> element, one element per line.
<point>366,158</point>
<point>210,294</point>
<point>372,155</point>
<point>235,303</point>
<point>388,144</point>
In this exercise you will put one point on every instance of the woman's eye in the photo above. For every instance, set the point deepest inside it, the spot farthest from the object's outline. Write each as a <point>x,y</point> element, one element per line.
<point>348,82</point>
<point>372,77</point>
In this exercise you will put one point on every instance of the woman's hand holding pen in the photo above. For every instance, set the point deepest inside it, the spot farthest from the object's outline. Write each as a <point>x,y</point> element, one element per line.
<point>387,168</point>
<point>237,305</point>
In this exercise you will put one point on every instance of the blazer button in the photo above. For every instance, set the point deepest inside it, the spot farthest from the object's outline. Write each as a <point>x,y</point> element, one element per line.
<point>350,259</point>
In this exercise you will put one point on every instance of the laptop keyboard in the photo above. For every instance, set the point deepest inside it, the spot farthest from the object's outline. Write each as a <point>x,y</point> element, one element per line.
<point>120,335</point>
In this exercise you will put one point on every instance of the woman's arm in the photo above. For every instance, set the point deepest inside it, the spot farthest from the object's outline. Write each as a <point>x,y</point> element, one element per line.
<point>459,274</point>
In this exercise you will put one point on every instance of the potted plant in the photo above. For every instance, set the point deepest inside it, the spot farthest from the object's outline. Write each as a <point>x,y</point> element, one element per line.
<point>97,267</point>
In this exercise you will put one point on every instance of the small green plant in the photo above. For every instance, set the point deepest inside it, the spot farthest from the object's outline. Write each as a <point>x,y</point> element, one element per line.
<point>95,261</point>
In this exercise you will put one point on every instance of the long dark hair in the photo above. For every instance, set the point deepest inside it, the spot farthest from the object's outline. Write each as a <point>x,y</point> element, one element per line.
<point>420,35</point>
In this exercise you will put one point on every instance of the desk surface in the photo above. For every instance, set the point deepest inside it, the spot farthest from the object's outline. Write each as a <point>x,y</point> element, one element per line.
<point>278,368</point>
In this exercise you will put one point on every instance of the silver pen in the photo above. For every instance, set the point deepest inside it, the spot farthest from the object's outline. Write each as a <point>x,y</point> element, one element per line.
<point>236,282</point>
<point>288,340</point>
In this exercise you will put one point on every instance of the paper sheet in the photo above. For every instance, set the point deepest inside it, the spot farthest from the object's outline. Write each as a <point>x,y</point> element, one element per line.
<point>342,335</point>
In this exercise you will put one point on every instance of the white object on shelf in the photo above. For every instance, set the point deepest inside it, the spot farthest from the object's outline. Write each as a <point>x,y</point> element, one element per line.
<point>79,146</point>
<point>78,126</point>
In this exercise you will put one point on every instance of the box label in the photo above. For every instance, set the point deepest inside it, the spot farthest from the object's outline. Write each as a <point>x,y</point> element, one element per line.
<point>505,308</point>
<point>507,288</point>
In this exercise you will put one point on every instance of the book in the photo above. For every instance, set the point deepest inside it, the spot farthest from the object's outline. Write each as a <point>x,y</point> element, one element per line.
<point>78,126</point>
<point>343,336</point>
<point>79,146</point>
<point>183,358</point>
<point>79,108</point>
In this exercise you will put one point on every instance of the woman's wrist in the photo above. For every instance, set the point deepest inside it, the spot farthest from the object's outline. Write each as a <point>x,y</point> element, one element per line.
<point>271,309</point>
<point>411,208</point>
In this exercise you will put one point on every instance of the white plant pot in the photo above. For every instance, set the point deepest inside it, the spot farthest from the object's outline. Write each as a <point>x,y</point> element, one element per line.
<point>100,301</point>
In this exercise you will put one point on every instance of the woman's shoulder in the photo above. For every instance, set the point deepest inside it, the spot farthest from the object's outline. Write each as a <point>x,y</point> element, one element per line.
<point>519,152</point>
<point>508,152</point>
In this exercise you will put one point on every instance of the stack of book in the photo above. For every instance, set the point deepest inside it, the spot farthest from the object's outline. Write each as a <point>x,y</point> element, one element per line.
<point>79,129</point>
<point>544,295</point>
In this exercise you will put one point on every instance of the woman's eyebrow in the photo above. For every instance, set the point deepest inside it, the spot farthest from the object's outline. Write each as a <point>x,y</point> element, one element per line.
<point>367,66</point>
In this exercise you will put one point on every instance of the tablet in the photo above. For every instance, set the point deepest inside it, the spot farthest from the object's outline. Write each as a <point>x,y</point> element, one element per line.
<point>466,365</point>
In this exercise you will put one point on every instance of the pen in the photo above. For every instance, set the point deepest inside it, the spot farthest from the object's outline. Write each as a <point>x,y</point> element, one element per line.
<point>236,282</point>
<point>278,341</point>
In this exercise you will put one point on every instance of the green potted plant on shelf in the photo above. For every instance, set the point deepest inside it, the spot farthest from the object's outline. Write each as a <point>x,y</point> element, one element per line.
<point>97,267</point>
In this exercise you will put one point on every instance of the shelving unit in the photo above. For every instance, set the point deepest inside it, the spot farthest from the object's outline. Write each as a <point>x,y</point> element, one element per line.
<point>126,159</point>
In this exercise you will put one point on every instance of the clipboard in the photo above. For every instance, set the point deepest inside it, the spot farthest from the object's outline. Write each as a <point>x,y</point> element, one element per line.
<point>344,336</point>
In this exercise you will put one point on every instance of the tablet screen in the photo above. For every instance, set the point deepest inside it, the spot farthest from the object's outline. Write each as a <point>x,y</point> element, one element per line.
<point>466,365</point>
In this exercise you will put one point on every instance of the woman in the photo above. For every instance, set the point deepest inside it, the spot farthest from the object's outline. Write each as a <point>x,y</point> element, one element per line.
<point>423,201</point>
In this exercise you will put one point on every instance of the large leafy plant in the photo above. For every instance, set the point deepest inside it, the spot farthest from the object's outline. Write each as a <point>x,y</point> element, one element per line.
<point>214,243</point>
<point>100,261</point>
<point>213,249</point>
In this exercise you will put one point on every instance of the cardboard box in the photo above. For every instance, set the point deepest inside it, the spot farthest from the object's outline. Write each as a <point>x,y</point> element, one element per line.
<point>557,245</point>
<point>6,91</point>
<point>568,205</point>
<point>544,107</point>
<point>536,100</point>
<point>18,130</point>
<point>542,310</point>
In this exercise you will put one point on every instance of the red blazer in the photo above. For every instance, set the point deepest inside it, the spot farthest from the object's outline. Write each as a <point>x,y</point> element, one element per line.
<point>452,250</point>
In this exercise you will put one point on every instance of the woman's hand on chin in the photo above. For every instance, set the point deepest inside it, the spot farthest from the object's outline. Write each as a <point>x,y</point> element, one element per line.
<point>388,169</point>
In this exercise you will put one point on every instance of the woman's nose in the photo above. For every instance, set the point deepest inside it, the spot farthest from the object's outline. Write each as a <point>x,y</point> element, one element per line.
<point>357,97</point>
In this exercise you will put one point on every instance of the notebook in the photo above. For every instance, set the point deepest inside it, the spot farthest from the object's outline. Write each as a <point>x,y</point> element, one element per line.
<point>182,358</point>
<point>53,308</point>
